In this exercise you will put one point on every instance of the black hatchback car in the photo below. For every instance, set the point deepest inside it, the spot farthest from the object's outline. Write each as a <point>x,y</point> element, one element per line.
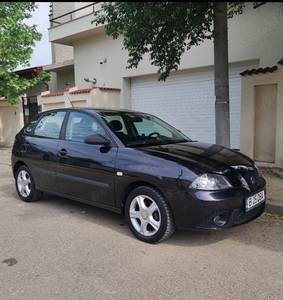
<point>135,164</point>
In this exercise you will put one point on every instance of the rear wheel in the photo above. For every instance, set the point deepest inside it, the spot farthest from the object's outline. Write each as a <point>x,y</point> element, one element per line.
<point>25,185</point>
<point>148,215</point>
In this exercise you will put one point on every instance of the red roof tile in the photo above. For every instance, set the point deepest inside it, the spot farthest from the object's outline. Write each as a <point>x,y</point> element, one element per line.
<point>259,70</point>
<point>53,94</point>
<point>109,89</point>
<point>82,91</point>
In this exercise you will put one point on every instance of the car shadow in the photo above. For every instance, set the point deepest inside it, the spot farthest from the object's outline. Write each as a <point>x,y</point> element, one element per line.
<point>263,232</point>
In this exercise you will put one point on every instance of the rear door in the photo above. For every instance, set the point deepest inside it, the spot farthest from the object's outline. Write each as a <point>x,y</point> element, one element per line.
<point>86,171</point>
<point>40,149</point>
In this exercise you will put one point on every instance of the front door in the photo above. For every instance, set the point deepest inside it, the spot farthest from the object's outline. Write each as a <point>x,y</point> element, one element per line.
<point>265,122</point>
<point>86,171</point>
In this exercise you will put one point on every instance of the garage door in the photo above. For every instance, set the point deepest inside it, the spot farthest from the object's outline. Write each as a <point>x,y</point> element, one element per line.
<point>186,100</point>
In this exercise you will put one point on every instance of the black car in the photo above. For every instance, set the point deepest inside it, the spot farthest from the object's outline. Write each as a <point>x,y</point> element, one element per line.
<point>135,164</point>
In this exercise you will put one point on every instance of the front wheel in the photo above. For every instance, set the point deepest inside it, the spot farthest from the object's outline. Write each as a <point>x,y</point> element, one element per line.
<point>148,215</point>
<point>25,185</point>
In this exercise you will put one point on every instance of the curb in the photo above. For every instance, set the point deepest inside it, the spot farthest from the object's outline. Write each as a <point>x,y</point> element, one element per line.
<point>273,208</point>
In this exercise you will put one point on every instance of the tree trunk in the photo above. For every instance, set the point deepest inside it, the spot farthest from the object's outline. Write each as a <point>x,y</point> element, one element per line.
<point>221,75</point>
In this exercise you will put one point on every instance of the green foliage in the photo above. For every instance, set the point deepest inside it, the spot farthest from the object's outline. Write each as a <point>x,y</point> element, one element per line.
<point>17,40</point>
<point>162,30</point>
<point>12,85</point>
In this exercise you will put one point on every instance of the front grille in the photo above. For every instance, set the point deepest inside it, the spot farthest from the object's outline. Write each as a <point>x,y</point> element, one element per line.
<point>252,178</point>
<point>247,177</point>
<point>234,180</point>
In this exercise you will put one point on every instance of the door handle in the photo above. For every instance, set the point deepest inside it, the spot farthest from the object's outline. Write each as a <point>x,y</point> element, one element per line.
<point>63,152</point>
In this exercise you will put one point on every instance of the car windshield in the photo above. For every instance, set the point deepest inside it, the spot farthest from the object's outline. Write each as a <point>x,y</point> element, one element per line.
<point>140,129</point>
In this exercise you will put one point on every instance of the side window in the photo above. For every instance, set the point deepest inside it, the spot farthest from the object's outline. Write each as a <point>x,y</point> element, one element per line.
<point>50,124</point>
<point>80,125</point>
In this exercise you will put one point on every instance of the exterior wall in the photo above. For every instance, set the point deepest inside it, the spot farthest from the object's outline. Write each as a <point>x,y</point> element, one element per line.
<point>65,80</point>
<point>38,88</point>
<point>250,84</point>
<point>11,121</point>
<point>105,98</point>
<point>61,52</point>
<point>85,11</point>
<point>92,97</point>
<point>257,34</point>
<point>53,83</point>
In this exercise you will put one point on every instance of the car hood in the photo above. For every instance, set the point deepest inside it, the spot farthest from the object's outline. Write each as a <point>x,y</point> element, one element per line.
<point>202,156</point>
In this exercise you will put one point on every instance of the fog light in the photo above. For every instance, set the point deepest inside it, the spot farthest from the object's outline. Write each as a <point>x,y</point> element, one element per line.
<point>220,220</point>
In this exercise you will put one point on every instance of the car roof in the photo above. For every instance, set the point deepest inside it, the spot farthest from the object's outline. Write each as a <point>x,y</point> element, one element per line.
<point>97,110</point>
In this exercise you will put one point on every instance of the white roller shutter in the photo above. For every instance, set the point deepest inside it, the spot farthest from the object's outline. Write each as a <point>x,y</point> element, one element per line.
<point>186,100</point>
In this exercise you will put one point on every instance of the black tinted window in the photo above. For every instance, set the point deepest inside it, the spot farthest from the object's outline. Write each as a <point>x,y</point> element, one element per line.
<point>50,124</point>
<point>31,124</point>
<point>80,125</point>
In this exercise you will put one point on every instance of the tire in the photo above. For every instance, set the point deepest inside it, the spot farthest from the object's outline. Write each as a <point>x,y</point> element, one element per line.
<point>25,185</point>
<point>148,215</point>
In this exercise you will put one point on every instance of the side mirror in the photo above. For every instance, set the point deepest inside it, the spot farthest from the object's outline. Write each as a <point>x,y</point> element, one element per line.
<point>96,139</point>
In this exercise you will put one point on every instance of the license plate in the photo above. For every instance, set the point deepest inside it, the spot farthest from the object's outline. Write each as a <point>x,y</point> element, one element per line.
<point>254,200</point>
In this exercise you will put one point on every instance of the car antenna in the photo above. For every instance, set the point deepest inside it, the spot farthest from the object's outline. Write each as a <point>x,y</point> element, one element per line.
<point>69,99</point>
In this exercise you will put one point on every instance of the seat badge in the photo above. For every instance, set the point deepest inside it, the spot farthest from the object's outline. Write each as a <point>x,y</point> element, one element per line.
<point>252,180</point>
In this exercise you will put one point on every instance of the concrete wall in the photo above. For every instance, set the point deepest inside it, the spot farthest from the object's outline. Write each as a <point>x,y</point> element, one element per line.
<point>61,52</point>
<point>11,121</point>
<point>92,97</point>
<point>271,85</point>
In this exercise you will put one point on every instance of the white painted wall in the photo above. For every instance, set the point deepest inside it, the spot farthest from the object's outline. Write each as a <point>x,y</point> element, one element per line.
<point>254,35</point>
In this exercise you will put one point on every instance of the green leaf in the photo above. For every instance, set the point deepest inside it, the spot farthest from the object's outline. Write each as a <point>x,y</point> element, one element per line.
<point>17,40</point>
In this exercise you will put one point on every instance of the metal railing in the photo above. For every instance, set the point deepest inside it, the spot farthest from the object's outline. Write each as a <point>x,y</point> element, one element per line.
<point>59,20</point>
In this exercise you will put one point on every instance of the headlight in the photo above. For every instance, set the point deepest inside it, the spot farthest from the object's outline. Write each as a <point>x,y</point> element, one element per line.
<point>210,182</point>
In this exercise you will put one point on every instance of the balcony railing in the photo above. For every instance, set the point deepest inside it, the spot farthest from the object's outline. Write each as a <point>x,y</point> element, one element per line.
<point>74,14</point>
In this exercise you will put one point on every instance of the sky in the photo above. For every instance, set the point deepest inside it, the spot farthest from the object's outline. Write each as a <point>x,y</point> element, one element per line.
<point>42,51</point>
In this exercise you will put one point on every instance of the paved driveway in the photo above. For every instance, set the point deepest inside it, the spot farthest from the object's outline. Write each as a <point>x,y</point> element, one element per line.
<point>59,249</point>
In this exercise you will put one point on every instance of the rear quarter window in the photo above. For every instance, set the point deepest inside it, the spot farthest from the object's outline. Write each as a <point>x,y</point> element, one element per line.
<point>31,124</point>
<point>50,124</point>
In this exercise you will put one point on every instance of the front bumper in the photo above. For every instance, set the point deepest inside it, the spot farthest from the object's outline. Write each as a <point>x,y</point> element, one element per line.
<point>219,219</point>
<point>214,210</point>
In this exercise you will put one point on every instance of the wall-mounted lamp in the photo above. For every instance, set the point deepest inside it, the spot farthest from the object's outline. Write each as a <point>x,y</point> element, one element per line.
<point>103,61</point>
<point>88,80</point>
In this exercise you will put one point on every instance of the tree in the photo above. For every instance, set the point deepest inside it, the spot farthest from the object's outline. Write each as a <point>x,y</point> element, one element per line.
<point>17,40</point>
<point>164,30</point>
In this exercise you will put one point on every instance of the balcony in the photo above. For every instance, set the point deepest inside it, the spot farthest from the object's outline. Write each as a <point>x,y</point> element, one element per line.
<point>74,25</point>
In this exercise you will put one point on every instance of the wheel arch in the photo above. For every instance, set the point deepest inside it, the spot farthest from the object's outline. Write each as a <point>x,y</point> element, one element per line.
<point>131,186</point>
<point>16,167</point>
